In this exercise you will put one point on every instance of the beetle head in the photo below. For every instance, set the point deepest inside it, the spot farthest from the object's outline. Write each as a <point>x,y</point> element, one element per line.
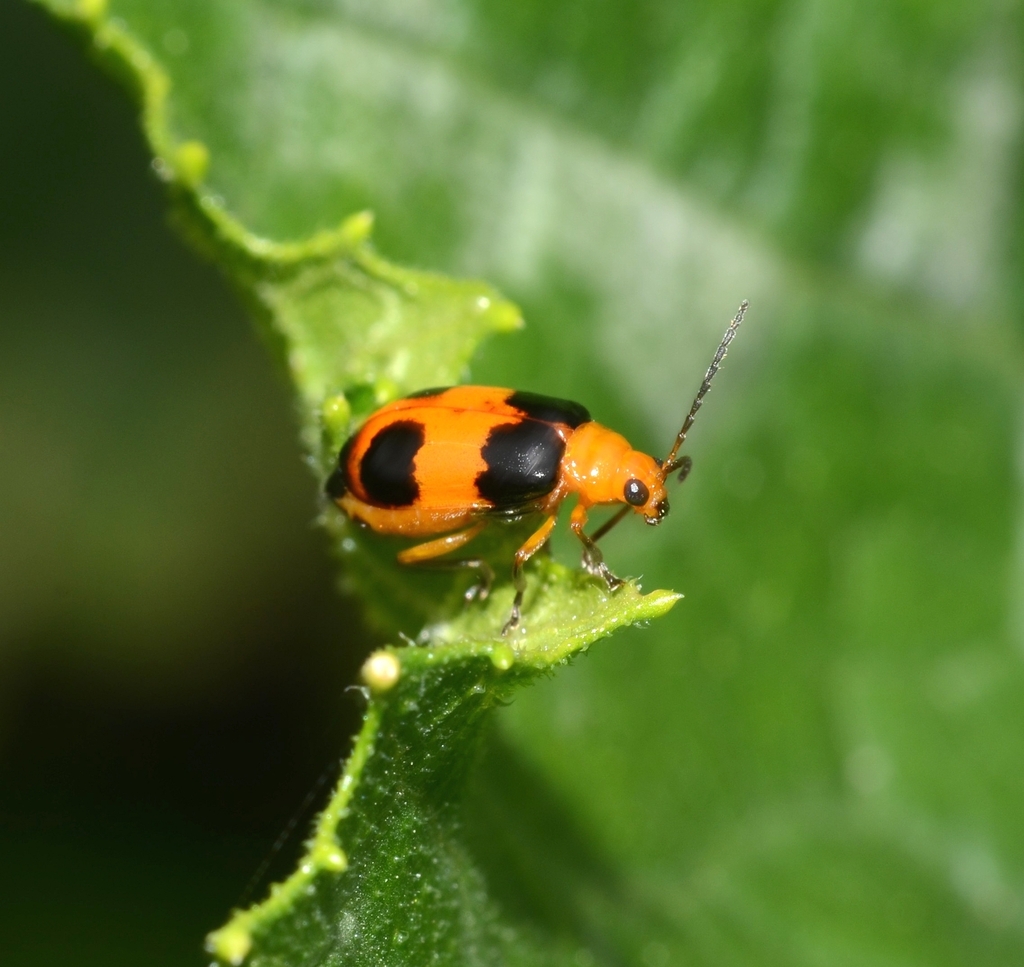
<point>642,487</point>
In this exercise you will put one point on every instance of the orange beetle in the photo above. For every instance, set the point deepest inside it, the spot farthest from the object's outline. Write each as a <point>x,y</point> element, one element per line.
<point>448,461</point>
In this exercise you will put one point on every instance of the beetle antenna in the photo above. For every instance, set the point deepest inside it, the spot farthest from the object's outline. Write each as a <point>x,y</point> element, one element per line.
<point>671,464</point>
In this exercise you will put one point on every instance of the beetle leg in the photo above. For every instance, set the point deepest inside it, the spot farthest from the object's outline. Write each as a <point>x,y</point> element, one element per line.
<point>480,589</point>
<point>533,544</point>
<point>610,523</point>
<point>426,554</point>
<point>684,465</point>
<point>593,559</point>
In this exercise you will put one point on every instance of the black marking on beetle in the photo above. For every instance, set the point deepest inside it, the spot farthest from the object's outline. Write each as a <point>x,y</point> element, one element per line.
<point>336,486</point>
<point>522,463</point>
<point>387,468</point>
<point>549,409</point>
<point>423,394</point>
<point>339,482</point>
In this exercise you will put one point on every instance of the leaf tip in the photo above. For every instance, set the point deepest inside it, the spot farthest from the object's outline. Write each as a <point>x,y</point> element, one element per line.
<point>660,602</point>
<point>191,162</point>
<point>91,11</point>
<point>230,944</point>
<point>503,316</point>
<point>356,228</point>
<point>330,858</point>
<point>335,416</point>
<point>381,671</point>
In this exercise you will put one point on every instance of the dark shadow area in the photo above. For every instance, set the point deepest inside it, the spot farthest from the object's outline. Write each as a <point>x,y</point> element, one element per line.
<point>173,652</point>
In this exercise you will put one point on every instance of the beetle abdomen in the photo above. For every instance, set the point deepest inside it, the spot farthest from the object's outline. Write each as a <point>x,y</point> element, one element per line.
<point>453,453</point>
<point>387,469</point>
<point>522,463</point>
<point>549,409</point>
<point>512,404</point>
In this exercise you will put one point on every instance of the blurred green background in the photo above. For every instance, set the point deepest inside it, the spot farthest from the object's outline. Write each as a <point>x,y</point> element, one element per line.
<point>817,758</point>
<point>171,681</point>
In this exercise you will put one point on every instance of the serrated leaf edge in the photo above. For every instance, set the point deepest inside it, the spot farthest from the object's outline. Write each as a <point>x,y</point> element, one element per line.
<point>325,853</point>
<point>182,167</point>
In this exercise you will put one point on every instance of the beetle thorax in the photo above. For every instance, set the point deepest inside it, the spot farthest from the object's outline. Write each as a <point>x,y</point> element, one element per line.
<point>598,462</point>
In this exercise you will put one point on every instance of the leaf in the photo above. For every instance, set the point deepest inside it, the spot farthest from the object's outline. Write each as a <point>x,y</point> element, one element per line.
<point>387,876</point>
<point>813,761</point>
<point>811,764</point>
<point>352,329</point>
<point>355,331</point>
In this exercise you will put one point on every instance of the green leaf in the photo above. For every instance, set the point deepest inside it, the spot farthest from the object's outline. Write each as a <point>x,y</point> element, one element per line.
<point>353,332</point>
<point>353,329</point>
<point>814,760</point>
<point>387,876</point>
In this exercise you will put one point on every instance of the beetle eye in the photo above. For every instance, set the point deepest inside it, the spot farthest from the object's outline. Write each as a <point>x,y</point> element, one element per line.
<point>635,492</point>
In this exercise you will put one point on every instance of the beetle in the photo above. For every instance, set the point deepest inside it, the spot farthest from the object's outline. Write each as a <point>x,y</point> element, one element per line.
<point>443,463</point>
